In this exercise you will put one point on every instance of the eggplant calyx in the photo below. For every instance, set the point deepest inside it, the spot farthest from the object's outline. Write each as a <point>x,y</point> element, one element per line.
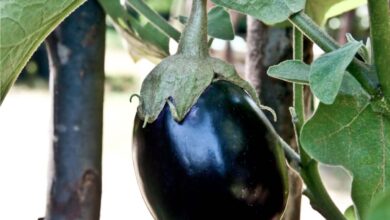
<point>135,95</point>
<point>226,71</point>
<point>179,80</point>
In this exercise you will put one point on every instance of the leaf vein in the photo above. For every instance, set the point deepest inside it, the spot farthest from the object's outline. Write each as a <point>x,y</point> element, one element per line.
<point>344,126</point>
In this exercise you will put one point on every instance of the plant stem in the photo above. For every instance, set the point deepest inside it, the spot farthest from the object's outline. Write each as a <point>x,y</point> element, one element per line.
<point>308,27</point>
<point>152,16</point>
<point>292,157</point>
<point>298,102</point>
<point>380,39</point>
<point>194,38</point>
<point>77,88</point>
<point>316,191</point>
<point>358,69</point>
<point>297,88</point>
<point>318,195</point>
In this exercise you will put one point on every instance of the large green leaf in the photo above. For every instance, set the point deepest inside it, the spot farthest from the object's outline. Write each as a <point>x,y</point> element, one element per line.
<point>380,209</point>
<point>327,72</point>
<point>351,134</point>
<point>24,24</point>
<point>321,10</point>
<point>268,11</point>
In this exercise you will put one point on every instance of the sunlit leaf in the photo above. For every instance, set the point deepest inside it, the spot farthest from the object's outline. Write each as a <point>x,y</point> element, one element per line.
<point>24,24</point>
<point>322,10</point>
<point>268,11</point>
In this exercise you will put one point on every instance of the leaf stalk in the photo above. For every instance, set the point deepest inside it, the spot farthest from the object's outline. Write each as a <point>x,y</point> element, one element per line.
<point>308,169</point>
<point>298,88</point>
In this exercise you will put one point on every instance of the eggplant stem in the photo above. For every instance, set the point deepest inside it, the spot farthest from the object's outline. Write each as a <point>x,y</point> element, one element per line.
<point>193,41</point>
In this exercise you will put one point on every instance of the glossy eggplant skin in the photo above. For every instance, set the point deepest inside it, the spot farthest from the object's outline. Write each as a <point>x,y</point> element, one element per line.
<point>215,164</point>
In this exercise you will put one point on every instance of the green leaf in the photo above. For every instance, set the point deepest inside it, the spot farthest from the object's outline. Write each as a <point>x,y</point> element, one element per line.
<point>219,24</point>
<point>365,51</point>
<point>152,16</point>
<point>24,24</point>
<point>142,41</point>
<point>380,209</point>
<point>294,71</point>
<point>326,73</point>
<point>343,6</point>
<point>149,34</point>
<point>160,6</point>
<point>114,9</point>
<point>268,11</point>
<point>351,134</point>
<point>350,213</point>
<point>320,10</point>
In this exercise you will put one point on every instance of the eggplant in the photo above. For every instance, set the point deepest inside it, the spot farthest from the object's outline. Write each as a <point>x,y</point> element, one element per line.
<point>217,163</point>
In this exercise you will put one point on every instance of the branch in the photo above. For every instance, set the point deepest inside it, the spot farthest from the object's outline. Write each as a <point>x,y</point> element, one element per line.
<point>76,52</point>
